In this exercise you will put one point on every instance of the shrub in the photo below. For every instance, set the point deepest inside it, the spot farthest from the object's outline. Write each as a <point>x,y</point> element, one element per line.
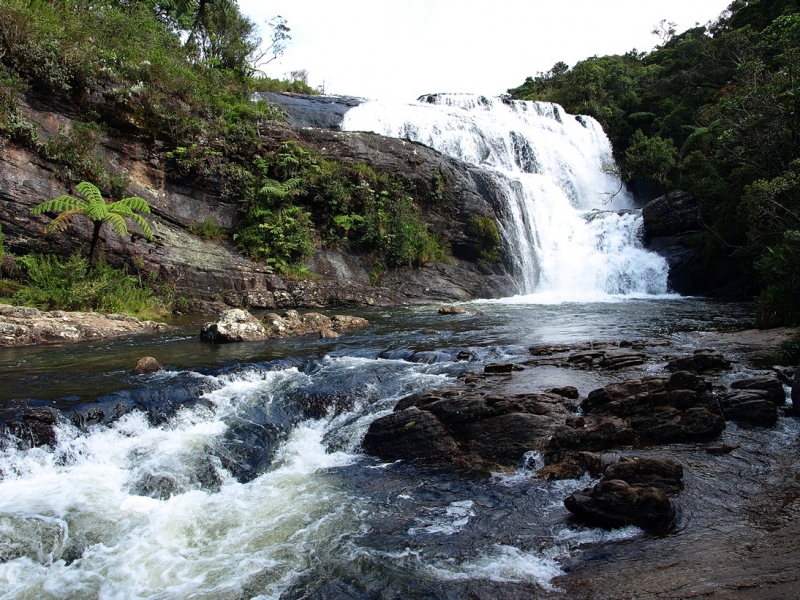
<point>52,283</point>
<point>209,230</point>
<point>790,350</point>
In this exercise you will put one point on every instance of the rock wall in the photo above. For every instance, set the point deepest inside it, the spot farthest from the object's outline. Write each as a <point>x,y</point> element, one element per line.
<point>216,270</point>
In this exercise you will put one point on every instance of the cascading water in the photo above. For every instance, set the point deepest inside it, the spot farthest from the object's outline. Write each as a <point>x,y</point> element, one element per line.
<point>569,228</point>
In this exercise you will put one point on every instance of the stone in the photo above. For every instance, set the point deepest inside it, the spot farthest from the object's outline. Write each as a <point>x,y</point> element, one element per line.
<point>328,334</point>
<point>341,322</point>
<point>749,408</point>
<point>22,326</point>
<point>702,361</point>
<point>608,432</point>
<point>616,503</point>
<point>235,325</point>
<point>292,323</point>
<point>770,385</point>
<point>465,355</point>
<point>796,389</point>
<point>498,369</point>
<point>663,473</point>
<point>567,391</point>
<point>146,364</point>
<point>451,310</point>
<point>31,425</point>
<point>620,359</point>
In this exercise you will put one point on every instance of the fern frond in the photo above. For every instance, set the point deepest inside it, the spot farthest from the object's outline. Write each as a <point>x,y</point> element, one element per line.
<point>90,192</point>
<point>117,224</point>
<point>60,204</point>
<point>143,225</point>
<point>61,222</point>
<point>134,203</point>
<point>96,211</point>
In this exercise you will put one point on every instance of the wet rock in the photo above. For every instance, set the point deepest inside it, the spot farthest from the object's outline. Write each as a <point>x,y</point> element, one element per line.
<point>465,355</point>
<point>451,310</point>
<point>722,449</point>
<point>471,429</point>
<point>235,325</point>
<point>548,349</point>
<point>605,433</point>
<point>22,326</point>
<point>769,385</point>
<point>702,361</point>
<point>616,503</point>
<point>146,364</point>
<point>796,389</point>
<point>34,538</point>
<point>680,408</point>
<point>328,334</point>
<point>572,466</point>
<point>619,359</point>
<point>31,425</point>
<point>663,473</point>
<point>749,408</point>
<point>567,391</point>
<point>292,323</point>
<point>498,369</point>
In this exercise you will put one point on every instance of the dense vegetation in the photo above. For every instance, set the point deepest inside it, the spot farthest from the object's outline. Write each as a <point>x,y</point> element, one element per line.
<point>179,75</point>
<point>713,111</point>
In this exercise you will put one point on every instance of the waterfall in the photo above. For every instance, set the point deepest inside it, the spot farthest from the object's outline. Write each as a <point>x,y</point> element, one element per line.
<point>569,227</point>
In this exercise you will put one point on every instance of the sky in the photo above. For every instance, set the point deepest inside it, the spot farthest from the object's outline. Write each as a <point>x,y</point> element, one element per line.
<point>401,49</point>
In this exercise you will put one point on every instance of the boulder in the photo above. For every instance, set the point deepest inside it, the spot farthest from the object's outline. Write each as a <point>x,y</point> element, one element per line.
<point>235,325</point>
<point>471,429</point>
<point>749,408</point>
<point>146,364</point>
<point>499,368</point>
<point>616,503</point>
<point>769,385</point>
<point>663,473</point>
<point>292,323</point>
<point>567,391</point>
<point>451,310</point>
<point>31,425</point>
<point>702,361</point>
<point>602,434</point>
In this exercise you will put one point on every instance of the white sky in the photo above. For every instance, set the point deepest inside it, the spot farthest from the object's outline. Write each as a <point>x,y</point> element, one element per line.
<point>401,49</point>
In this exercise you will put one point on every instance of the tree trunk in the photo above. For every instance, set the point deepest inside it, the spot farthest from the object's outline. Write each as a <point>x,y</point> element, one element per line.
<point>93,246</point>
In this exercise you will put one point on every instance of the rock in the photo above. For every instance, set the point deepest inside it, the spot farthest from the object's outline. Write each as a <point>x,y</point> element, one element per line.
<point>22,326</point>
<point>605,433</point>
<point>465,355</point>
<point>304,110</point>
<point>619,359</point>
<point>451,310</point>
<point>749,408</point>
<point>548,349</point>
<point>663,473</point>
<point>671,227</point>
<point>703,361</point>
<point>722,449</point>
<point>572,466</point>
<point>769,385</point>
<point>668,425</point>
<point>568,391</point>
<point>616,503</point>
<point>146,364</point>
<point>235,325</point>
<point>796,389</point>
<point>472,429</point>
<point>328,334</point>
<point>498,369</point>
<point>32,425</point>
<point>292,323</point>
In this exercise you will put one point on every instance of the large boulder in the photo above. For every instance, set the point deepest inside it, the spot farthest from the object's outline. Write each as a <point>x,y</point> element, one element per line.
<point>455,428</point>
<point>616,503</point>
<point>750,408</point>
<point>632,491</point>
<point>235,325</point>
<point>702,361</point>
<point>292,323</point>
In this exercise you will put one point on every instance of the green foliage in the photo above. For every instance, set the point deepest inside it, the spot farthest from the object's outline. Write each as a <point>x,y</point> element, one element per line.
<point>790,350</point>
<point>2,244</point>
<point>56,284</point>
<point>303,196</point>
<point>208,229</point>
<point>649,158</point>
<point>485,229</point>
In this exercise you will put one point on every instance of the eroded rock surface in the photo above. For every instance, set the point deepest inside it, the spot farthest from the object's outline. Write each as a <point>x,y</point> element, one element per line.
<point>23,326</point>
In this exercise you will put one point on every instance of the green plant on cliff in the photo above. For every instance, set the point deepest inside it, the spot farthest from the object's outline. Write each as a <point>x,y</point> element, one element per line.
<point>52,283</point>
<point>94,208</point>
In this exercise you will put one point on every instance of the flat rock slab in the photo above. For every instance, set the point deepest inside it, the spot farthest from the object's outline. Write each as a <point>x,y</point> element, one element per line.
<point>23,326</point>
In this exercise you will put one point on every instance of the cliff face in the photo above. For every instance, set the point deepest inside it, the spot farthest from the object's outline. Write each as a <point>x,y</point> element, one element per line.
<point>216,270</point>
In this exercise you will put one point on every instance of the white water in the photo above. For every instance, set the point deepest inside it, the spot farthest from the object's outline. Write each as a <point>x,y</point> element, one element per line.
<point>555,171</point>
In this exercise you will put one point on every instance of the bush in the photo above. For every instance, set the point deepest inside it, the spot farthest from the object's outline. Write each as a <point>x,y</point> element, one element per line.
<point>55,284</point>
<point>790,351</point>
<point>209,230</point>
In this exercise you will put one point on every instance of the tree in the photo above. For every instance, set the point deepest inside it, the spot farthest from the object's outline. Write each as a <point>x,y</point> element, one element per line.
<point>94,207</point>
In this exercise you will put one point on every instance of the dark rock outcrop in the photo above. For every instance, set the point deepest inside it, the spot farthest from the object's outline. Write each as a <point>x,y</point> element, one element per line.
<point>749,408</point>
<point>673,227</point>
<point>769,386</point>
<point>702,361</point>
<point>632,491</point>
<point>616,503</point>
<point>458,429</point>
<point>305,110</point>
